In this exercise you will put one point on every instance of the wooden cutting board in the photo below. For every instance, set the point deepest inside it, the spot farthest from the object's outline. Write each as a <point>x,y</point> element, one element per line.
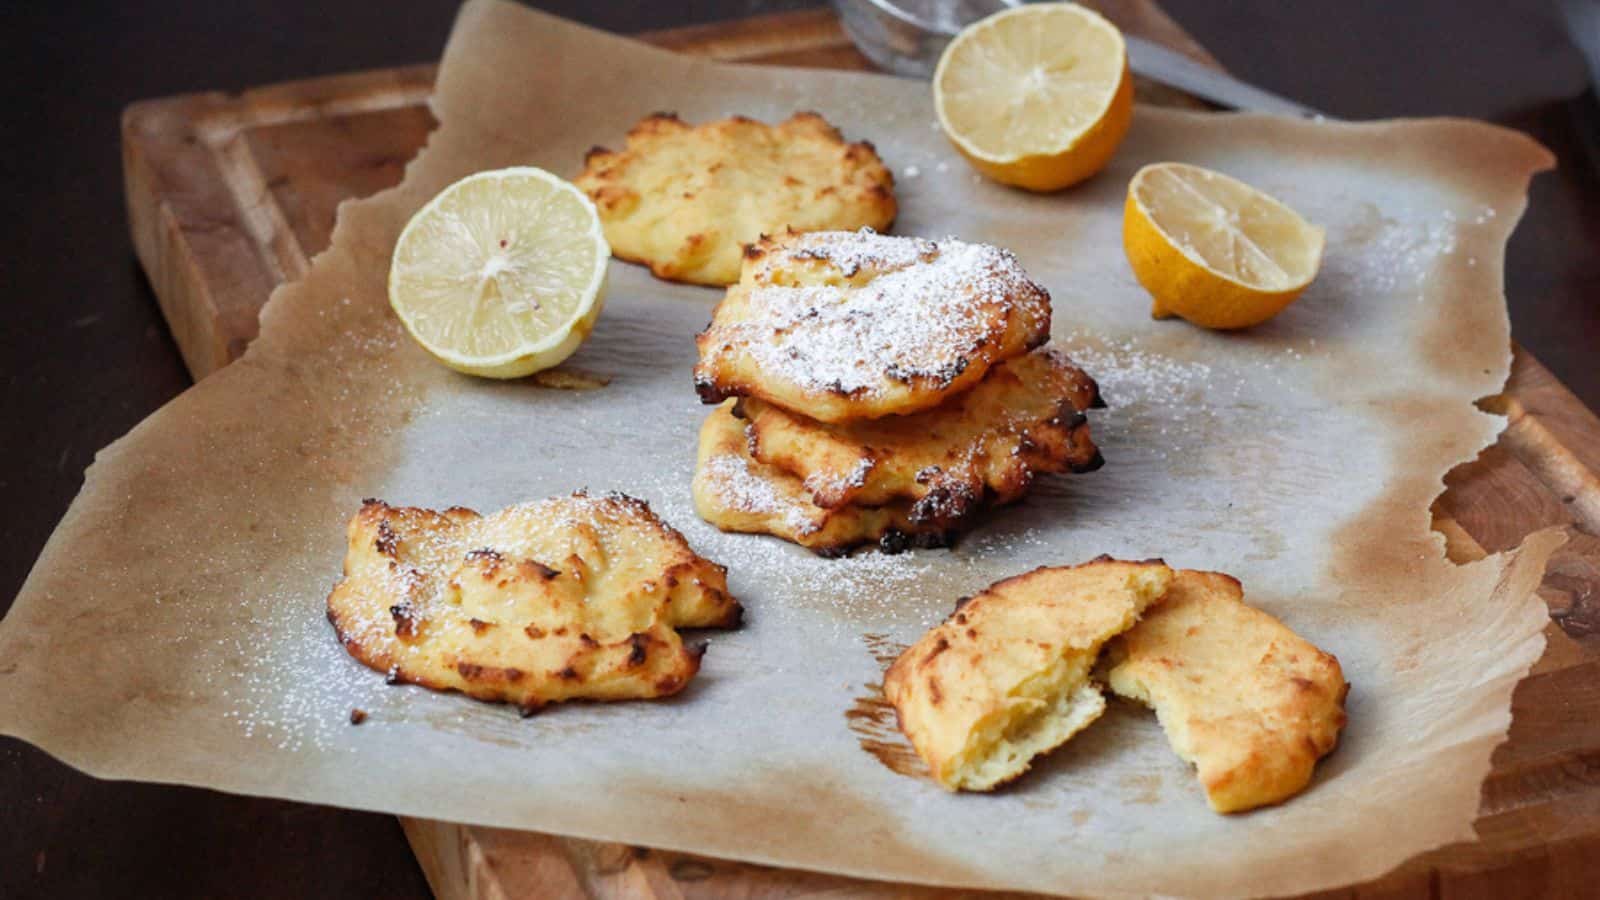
<point>230,195</point>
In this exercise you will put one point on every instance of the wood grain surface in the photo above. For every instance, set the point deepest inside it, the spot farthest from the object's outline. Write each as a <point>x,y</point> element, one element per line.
<point>230,195</point>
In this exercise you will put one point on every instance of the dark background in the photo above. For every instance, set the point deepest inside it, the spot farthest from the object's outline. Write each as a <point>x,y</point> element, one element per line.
<point>86,354</point>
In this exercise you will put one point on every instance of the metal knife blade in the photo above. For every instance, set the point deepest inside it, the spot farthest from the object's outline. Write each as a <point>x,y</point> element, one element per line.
<point>1169,67</point>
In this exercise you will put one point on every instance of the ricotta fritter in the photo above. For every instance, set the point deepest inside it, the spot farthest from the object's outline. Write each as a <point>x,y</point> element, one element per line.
<point>736,493</point>
<point>842,326</point>
<point>983,447</point>
<point>1007,677</point>
<point>572,597</point>
<point>685,200</point>
<point>1250,703</point>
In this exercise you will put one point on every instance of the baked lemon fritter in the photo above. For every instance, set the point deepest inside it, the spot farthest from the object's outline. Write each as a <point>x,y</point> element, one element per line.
<point>685,200</point>
<point>1006,677</point>
<point>840,326</point>
<point>1249,702</point>
<point>736,493</point>
<point>573,597</point>
<point>982,447</point>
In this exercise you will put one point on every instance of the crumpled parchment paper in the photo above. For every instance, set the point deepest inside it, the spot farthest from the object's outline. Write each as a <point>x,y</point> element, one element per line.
<point>173,627</point>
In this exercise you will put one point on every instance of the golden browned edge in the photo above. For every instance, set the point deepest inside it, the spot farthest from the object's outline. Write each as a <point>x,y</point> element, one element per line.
<point>899,672</point>
<point>691,566</point>
<point>1060,444</point>
<point>915,393</point>
<point>899,537</point>
<point>198,209</point>
<point>1287,787</point>
<point>492,684</point>
<point>593,180</point>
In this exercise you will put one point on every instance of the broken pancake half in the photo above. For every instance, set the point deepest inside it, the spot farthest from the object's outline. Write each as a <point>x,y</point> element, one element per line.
<point>736,493</point>
<point>1007,676</point>
<point>840,326</point>
<point>983,447</point>
<point>686,199</point>
<point>1250,703</point>
<point>560,599</point>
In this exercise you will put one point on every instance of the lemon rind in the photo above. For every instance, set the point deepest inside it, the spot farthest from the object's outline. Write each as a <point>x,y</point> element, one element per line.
<point>1188,252</point>
<point>571,332</point>
<point>1099,117</point>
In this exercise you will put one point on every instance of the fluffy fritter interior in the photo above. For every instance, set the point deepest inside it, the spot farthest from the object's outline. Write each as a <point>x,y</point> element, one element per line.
<point>1006,677</point>
<point>843,326</point>
<point>685,200</point>
<point>734,492</point>
<point>1251,704</point>
<point>984,446</point>
<point>573,597</point>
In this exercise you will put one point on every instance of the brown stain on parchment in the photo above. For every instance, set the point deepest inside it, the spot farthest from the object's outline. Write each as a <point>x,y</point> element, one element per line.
<point>1491,167</point>
<point>874,721</point>
<point>1496,168</point>
<point>1391,542</point>
<point>883,649</point>
<point>493,723</point>
<point>565,378</point>
<point>1459,333</point>
<point>1141,787</point>
<point>768,812</point>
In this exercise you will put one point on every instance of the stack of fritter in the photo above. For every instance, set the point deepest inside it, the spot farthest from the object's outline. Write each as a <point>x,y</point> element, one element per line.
<point>881,389</point>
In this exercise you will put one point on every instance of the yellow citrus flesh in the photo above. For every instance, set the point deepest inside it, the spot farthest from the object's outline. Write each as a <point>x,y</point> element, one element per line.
<point>502,274</point>
<point>1215,250</point>
<point>1038,96</point>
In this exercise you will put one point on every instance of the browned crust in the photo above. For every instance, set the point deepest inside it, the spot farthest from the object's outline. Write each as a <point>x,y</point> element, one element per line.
<point>713,388</point>
<point>494,684</point>
<point>376,571</point>
<point>945,462</point>
<point>968,605</point>
<point>1288,695</point>
<point>914,390</point>
<point>860,193</point>
<point>711,576</point>
<point>919,659</point>
<point>826,532</point>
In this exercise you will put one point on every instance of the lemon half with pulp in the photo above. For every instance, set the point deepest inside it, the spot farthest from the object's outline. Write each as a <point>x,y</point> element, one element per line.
<point>1038,96</point>
<point>1213,249</point>
<point>502,274</point>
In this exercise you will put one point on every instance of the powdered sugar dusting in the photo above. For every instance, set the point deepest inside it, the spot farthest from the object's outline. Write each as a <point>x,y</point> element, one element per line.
<point>1131,376</point>
<point>1398,250</point>
<point>913,308</point>
<point>281,706</point>
<point>852,251</point>
<point>742,490</point>
<point>1162,408</point>
<point>826,481</point>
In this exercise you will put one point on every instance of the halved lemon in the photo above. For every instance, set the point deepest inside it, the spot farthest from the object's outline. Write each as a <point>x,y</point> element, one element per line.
<point>1038,96</point>
<point>502,274</point>
<point>1213,249</point>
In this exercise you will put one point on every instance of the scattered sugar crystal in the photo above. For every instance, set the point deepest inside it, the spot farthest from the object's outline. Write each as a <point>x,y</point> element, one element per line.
<point>742,490</point>
<point>928,306</point>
